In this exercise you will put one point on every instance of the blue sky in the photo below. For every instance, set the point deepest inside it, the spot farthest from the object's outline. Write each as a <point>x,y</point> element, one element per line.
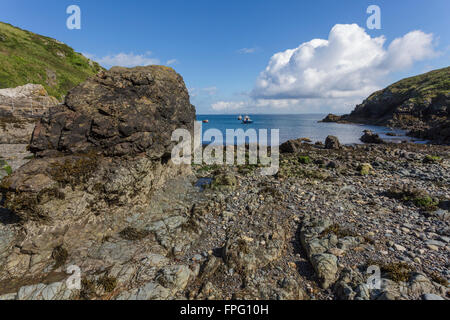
<point>221,47</point>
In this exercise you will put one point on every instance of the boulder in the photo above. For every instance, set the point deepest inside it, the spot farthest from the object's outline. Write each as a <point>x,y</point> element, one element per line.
<point>100,157</point>
<point>291,146</point>
<point>370,137</point>
<point>326,268</point>
<point>332,142</point>
<point>119,112</point>
<point>25,101</point>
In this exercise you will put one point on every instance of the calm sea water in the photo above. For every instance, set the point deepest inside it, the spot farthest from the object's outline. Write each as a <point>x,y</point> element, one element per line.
<point>298,126</point>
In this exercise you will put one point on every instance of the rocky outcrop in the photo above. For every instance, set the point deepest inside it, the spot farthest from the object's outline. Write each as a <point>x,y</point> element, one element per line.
<point>20,109</point>
<point>370,137</point>
<point>293,146</point>
<point>101,158</point>
<point>25,100</point>
<point>419,104</point>
<point>332,118</point>
<point>119,112</point>
<point>332,142</point>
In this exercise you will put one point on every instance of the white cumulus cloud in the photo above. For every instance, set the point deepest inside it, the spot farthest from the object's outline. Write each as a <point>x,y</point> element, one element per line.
<point>349,64</point>
<point>414,46</point>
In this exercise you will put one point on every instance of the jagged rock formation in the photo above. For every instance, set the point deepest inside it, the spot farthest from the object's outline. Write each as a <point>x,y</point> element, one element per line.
<point>20,108</point>
<point>419,104</point>
<point>120,112</point>
<point>101,157</point>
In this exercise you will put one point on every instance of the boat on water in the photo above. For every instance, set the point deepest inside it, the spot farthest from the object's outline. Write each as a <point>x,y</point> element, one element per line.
<point>205,121</point>
<point>240,118</point>
<point>247,120</point>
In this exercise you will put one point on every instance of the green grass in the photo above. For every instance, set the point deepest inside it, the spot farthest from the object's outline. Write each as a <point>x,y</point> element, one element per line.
<point>419,197</point>
<point>426,203</point>
<point>26,57</point>
<point>304,160</point>
<point>396,271</point>
<point>422,87</point>
<point>432,159</point>
<point>5,166</point>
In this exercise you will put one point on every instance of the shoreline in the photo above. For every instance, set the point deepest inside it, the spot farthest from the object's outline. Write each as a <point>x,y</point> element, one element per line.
<point>298,126</point>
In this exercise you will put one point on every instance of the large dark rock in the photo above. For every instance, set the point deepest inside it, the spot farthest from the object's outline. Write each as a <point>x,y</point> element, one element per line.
<point>118,112</point>
<point>370,137</point>
<point>291,146</point>
<point>101,169</point>
<point>332,142</point>
<point>294,146</point>
<point>102,157</point>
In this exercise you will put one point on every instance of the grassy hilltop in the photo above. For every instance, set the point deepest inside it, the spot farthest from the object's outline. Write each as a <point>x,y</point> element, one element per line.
<point>420,88</point>
<point>26,57</point>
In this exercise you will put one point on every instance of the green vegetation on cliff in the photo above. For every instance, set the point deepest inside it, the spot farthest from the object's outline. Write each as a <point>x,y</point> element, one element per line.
<point>26,57</point>
<point>422,87</point>
<point>418,104</point>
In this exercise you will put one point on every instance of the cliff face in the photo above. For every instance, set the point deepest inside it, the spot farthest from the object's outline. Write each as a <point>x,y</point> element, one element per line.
<point>419,104</point>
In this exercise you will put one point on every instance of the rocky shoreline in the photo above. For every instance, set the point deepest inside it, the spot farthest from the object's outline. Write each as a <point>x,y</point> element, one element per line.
<point>101,193</point>
<point>418,105</point>
<point>309,233</point>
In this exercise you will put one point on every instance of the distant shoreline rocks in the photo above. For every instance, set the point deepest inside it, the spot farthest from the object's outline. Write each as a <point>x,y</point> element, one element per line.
<point>419,105</point>
<point>332,118</point>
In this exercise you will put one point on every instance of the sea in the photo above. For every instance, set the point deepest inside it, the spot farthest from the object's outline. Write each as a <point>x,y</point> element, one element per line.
<point>294,126</point>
